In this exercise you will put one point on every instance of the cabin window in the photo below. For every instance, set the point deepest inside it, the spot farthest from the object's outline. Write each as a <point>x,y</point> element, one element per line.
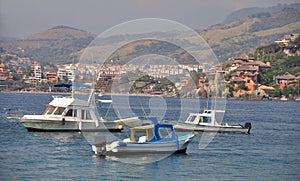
<point>82,114</point>
<point>86,115</point>
<point>69,113</point>
<point>59,111</point>
<point>191,119</point>
<point>75,113</point>
<point>205,119</point>
<point>165,132</point>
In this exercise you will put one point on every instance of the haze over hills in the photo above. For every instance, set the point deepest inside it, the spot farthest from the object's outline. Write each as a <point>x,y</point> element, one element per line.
<point>52,46</point>
<point>60,32</point>
<point>242,33</point>
<point>244,13</point>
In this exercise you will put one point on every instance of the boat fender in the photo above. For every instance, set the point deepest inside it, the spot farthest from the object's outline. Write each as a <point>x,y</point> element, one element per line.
<point>63,121</point>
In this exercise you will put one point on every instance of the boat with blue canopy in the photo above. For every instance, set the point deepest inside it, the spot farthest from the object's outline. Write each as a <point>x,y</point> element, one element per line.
<point>155,138</point>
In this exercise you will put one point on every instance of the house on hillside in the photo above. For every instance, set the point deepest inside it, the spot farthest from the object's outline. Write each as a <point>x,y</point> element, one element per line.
<point>287,39</point>
<point>285,80</point>
<point>4,75</point>
<point>247,69</point>
<point>257,65</point>
<point>19,72</point>
<point>51,76</point>
<point>37,72</point>
<point>289,48</point>
<point>202,79</point>
<point>2,67</point>
<point>61,72</point>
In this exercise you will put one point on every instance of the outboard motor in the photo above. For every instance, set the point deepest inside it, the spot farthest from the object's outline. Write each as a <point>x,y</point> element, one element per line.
<point>248,125</point>
<point>99,145</point>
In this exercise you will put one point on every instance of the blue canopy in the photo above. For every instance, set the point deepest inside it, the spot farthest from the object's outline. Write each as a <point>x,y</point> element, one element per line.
<point>72,85</point>
<point>156,135</point>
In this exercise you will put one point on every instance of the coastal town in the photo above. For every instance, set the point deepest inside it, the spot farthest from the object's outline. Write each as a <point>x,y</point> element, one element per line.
<point>150,90</point>
<point>245,75</point>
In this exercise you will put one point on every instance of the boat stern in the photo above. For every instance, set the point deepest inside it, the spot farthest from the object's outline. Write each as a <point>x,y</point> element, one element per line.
<point>248,126</point>
<point>99,145</point>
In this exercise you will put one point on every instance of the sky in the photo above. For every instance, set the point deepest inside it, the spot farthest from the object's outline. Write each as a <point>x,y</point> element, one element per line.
<point>21,18</point>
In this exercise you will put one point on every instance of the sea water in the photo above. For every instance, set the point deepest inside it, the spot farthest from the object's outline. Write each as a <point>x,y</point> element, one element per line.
<point>270,152</point>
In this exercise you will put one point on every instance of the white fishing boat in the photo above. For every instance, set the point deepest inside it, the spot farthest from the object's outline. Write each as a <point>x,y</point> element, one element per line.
<point>206,122</point>
<point>66,113</point>
<point>147,139</point>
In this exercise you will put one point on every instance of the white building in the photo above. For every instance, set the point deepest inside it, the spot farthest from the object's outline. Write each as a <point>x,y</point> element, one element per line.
<point>37,72</point>
<point>70,70</point>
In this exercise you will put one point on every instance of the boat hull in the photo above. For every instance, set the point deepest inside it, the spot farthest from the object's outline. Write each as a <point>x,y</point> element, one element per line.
<point>56,125</point>
<point>128,148</point>
<point>149,148</point>
<point>184,127</point>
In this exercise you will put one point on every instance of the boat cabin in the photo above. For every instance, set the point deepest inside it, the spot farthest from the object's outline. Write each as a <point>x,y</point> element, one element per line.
<point>152,133</point>
<point>205,118</point>
<point>64,106</point>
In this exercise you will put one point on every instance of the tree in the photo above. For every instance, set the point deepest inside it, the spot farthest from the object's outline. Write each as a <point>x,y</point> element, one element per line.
<point>242,86</point>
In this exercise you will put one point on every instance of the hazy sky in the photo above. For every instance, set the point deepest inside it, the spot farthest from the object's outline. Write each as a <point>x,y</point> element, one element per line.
<point>21,18</point>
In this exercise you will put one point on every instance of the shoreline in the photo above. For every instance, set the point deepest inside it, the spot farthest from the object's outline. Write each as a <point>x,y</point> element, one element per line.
<point>150,95</point>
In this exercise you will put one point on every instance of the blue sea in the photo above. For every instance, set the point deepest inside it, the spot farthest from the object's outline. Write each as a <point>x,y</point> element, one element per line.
<point>270,152</point>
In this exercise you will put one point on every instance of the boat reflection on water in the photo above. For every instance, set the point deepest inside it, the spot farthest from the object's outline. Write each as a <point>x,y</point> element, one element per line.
<point>138,159</point>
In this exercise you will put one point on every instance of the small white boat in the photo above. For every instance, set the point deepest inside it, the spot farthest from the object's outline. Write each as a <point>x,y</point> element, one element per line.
<point>148,139</point>
<point>206,122</point>
<point>65,113</point>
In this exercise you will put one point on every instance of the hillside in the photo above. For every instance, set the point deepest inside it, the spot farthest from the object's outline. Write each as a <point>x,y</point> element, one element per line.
<point>55,45</point>
<point>246,12</point>
<point>243,36</point>
<point>231,39</point>
<point>59,32</point>
<point>64,44</point>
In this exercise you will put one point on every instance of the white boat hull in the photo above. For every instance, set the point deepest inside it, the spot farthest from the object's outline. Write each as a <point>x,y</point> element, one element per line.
<point>185,127</point>
<point>67,125</point>
<point>125,148</point>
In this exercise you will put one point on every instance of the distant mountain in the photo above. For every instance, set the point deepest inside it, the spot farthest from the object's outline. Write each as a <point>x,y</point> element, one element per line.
<point>63,44</point>
<point>60,32</point>
<point>246,12</point>
<point>243,36</point>
<point>228,40</point>
<point>52,46</point>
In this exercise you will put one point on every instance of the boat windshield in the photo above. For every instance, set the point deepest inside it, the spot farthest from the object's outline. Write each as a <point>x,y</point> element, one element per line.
<point>59,111</point>
<point>165,132</point>
<point>49,110</point>
<point>191,119</point>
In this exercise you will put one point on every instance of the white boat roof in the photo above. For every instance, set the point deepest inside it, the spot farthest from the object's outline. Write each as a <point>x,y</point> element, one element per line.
<point>61,101</point>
